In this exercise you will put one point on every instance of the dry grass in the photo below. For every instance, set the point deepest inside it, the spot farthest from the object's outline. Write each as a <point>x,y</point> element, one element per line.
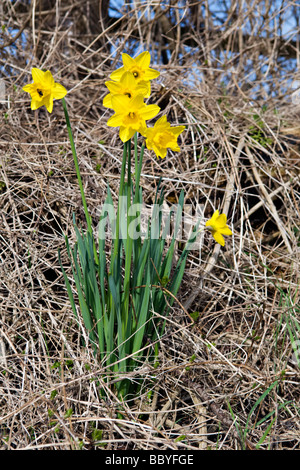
<point>235,155</point>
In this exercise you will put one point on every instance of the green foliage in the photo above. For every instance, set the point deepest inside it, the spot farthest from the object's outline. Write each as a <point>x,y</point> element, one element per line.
<point>289,319</point>
<point>244,431</point>
<point>53,394</point>
<point>195,315</point>
<point>119,295</point>
<point>68,413</point>
<point>296,231</point>
<point>256,131</point>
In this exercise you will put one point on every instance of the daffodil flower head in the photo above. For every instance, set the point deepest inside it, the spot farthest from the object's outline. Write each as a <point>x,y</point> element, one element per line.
<point>127,86</point>
<point>44,90</point>
<point>217,226</point>
<point>131,116</point>
<point>139,67</point>
<point>162,136</point>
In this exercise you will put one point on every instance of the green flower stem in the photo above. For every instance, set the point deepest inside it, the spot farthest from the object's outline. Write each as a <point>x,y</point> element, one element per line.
<point>136,200</point>
<point>128,250</point>
<point>138,166</point>
<point>121,193</point>
<point>135,155</point>
<point>87,215</point>
<point>114,280</point>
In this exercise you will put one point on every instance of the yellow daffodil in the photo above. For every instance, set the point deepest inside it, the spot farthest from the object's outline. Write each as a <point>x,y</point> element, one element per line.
<point>217,226</point>
<point>44,89</point>
<point>139,67</point>
<point>127,86</point>
<point>162,136</point>
<point>131,115</point>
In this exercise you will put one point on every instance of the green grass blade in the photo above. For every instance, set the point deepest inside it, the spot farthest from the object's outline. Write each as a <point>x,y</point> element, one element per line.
<point>257,403</point>
<point>265,434</point>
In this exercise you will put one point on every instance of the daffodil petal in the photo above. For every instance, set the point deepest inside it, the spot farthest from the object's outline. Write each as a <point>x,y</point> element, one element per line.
<point>177,130</point>
<point>150,111</point>
<point>149,89</point>
<point>161,121</point>
<point>126,133</point>
<point>115,121</point>
<point>142,130</point>
<point>48,79</point>
<point>28,88</point>
<point>138,102</point>
<point>35,104</point>
<point>128,61</point>
<point>114,87</point>
<point>117,74</point>
<point>119,103</point>
<point>214,217</point>
<point>159,151</point>
<point>58,91</point>
<point>48,102</point>
<point>221,220</point>
<point>150,74</point>
<point>219,238</point>
<point>225,231</point>
<point>144,88</point>
<point>143,60</point>
<point>107,101</point>
<point>37,75</point>
<point>128,80</point>
<point>174,147</point>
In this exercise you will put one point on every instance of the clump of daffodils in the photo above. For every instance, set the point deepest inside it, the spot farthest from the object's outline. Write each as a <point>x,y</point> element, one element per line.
<point>130,86</point>
<point>117,299</point>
